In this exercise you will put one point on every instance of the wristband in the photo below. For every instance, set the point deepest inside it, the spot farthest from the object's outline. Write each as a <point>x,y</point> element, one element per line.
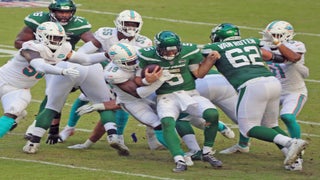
<point>145,82</point>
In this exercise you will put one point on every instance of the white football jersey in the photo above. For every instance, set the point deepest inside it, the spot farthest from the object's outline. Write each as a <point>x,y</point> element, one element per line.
<point>18,72</point>
<point>288,73</point>
<point>108,36</point>
<point>114,75</point>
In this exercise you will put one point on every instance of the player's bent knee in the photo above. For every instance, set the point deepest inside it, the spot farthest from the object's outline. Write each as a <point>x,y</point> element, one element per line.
<point>211,115</point>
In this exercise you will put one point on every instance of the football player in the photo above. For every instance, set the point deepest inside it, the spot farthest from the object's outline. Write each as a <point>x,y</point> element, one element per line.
<point>242,63</point>
<point>278,37</point>
<point>127,29</point>
<point>77,28</point>
<point>89,80</point>
<point>24,70</point>
<point>178,94</point>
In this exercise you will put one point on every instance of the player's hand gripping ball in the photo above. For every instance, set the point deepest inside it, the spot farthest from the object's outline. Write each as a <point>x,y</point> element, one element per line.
<point>151,68</point>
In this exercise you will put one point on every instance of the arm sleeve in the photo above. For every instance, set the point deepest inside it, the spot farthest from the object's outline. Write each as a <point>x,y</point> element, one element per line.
<point>145,91</point>
<point>88,48</point>
<point>87,59</point>
<point>41,66</point>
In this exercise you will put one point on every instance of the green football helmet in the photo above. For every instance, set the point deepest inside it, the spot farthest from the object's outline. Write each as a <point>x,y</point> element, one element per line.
<point>225,32</point>
<point>168,44</point>
<point>62,5</point>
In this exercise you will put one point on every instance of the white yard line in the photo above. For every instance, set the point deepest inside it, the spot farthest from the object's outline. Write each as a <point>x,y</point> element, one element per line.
<point>85,168</point>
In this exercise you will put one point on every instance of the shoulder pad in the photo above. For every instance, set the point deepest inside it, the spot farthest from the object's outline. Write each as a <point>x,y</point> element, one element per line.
<point>143,41</point>
<point>105,33</point>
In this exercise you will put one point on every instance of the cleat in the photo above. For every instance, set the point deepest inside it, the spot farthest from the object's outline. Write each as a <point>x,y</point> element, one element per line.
<point>228,133</point>
<point>234,149</point>
<point>28,136</point>
<point>214,162</point>
<point>180,167</point>
<point>195,156</point>
<point>295,147</point>
<point>296,166</point>
<point>115,143</point>
<point>188,160</point>
<point>65,133</point>
<point>31,148</point>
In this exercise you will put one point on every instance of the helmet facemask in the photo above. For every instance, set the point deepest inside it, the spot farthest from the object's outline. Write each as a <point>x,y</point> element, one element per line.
<point>129,23</point>
<point>168,45</point>
<point>124,56</point>
<point>62,11</point>
<point>281,30</point>
<point>51,35</point>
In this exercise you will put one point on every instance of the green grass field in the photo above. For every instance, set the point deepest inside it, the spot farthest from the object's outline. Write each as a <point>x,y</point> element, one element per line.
<point>193,21</point>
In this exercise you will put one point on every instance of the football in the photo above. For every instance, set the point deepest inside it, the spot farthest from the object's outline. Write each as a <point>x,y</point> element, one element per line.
<point>151,68</point>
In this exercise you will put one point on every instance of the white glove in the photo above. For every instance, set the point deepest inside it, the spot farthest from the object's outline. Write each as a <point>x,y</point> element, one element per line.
<point>78,146</point>
<point>267,37</point>
<point>72,72</point>
<point>166,75</point>
<point>88,108</point>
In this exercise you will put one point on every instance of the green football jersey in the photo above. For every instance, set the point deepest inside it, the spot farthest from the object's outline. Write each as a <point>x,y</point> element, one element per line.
<point>183,78</point>
<point>240,60</point>
<point>74,29</point>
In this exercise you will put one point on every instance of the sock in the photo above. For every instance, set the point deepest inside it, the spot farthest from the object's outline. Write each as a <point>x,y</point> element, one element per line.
<point>221,126</point>
<point>121,120</point>
<point>191,142</point>
<point>281,140</point>
<point>160,138</point>
<point>292,125</point>
<point>88,143</point>
<point>171,137</point>
<point>73,116</point>
<point>263,133</point>
<point>45,118</point>
<point>5,125</point>
<point>206,149</point>
<point>210,131</point>
<point>243,141</point>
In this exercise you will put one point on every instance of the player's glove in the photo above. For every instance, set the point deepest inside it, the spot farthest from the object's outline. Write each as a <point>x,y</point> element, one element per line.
<point>267,37</point>
<point>72,72</point>
<point>53,135</point>
<point>88,108</point>
<point>166,75</point>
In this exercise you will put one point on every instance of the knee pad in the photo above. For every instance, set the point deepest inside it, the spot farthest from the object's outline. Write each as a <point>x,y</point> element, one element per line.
<point>211,115</point>
<point>167,122</point>
<point>183,128</point>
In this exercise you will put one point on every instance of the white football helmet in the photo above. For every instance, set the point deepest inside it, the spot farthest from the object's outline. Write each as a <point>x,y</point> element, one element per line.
<point>281,30</point>
<point>128,16</point>
<point>124,56</point>
<point>51,34</point>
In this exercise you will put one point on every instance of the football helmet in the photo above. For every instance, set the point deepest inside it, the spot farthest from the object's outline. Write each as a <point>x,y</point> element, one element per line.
<point>62,5</point>
<point>225,32</point>
<point>124,56</point>
<point>281,30</point>
<point>51,34</point>
<point>129,23</point>
<point>168,44</point>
